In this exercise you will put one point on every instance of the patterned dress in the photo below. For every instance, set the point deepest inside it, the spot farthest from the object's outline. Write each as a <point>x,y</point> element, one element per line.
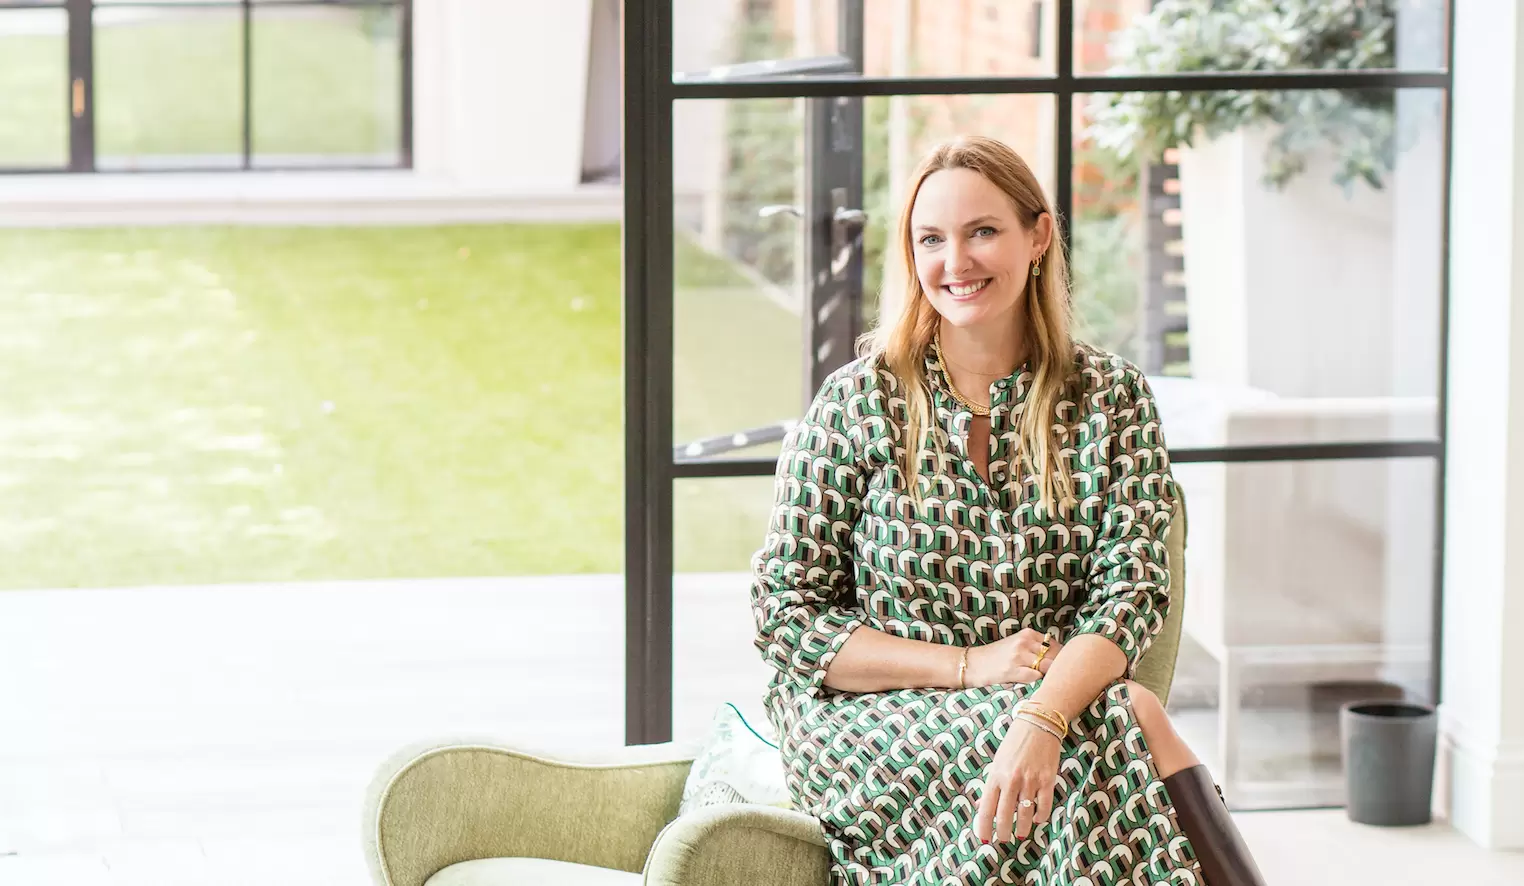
<point>895,777</point>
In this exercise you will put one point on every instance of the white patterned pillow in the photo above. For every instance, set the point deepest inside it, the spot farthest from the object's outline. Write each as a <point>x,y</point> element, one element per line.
<point>737,764</point>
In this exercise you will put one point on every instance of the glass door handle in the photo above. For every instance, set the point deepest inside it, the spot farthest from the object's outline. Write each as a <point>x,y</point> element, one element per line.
<point>851,219</point>
<point>780,209</point>
<point>847,224</point>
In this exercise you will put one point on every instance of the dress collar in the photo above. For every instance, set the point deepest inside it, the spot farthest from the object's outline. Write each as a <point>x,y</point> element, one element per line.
<point>1013,386</point>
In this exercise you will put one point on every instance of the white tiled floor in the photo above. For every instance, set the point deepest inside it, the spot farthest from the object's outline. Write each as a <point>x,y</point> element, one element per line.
<point>226,735</point>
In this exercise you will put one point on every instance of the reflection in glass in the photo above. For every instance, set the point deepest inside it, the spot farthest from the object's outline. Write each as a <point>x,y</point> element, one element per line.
<point>34,88</point>
<point>168,87</point>
<point>327,86</point>
<point>1296,302</point>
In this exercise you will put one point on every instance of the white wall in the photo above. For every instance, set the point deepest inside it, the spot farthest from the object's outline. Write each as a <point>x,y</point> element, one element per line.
<point>500,91</point>
<point>1483,712</point>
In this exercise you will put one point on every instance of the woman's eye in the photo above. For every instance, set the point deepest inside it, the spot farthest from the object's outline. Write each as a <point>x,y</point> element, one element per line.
<point>985,231</point>
<point>930,240</point>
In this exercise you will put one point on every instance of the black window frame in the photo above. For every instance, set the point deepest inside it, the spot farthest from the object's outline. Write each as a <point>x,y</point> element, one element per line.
<point>80,99</point>
<point>652,467</point>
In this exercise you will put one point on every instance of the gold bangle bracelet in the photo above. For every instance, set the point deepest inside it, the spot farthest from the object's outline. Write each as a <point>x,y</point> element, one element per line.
<point>1041,724</point>
<point>963,669</point>
<point>1049,720</point>
<point>1032,706</point>
<point>1057,720</point>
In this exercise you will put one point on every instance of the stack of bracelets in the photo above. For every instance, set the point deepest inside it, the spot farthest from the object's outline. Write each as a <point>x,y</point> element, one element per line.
<point>1046,719</point>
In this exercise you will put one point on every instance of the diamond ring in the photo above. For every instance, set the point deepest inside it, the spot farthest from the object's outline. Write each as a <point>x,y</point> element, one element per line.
<point>1027,804</point>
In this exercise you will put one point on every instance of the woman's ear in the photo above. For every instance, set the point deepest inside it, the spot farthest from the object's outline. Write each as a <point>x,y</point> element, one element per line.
<point>1042,233</point>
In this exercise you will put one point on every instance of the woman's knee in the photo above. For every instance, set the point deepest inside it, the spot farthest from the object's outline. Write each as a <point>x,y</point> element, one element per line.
<point>1147,708</point>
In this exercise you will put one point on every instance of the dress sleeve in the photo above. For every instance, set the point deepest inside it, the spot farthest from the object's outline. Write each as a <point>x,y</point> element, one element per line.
<point>1128,583</point>
<point>803,575</point>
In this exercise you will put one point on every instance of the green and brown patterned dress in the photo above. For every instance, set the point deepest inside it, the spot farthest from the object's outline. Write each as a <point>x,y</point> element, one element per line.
<point>895,777</point>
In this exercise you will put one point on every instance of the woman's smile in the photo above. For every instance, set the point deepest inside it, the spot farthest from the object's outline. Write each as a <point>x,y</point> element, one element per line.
<point>965,289</point>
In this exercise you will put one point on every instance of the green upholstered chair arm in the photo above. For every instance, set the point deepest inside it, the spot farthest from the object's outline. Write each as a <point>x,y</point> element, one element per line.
<point>1157,669</point>
<point>740,845</point>
<point>440,803</point>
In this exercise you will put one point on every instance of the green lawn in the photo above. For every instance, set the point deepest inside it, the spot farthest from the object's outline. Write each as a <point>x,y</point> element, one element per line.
<point>326,84</point>
<point>215,405</point>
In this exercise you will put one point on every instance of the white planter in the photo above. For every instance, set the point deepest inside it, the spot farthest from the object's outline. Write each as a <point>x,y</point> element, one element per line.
<point>1288,291</point>
<point>500,90</point>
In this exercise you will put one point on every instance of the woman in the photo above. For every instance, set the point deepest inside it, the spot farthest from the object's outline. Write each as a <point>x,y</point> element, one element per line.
<point>975,488</point>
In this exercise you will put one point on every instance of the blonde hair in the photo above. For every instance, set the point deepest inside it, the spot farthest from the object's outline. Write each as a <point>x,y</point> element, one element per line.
<point>902,342</point>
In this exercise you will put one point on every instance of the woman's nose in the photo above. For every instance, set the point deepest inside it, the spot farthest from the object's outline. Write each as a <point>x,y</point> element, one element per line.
<point>958,258</point>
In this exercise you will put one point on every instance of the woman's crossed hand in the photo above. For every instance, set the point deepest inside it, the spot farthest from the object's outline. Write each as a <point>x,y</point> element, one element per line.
<point>1010,660</point>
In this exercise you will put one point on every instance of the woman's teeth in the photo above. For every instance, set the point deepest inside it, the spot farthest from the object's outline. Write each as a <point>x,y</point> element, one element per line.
<point>963,289</point>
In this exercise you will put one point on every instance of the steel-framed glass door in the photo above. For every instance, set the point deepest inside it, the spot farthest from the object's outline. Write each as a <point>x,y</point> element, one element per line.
<point>1041,55</point>
<point>828,221</point>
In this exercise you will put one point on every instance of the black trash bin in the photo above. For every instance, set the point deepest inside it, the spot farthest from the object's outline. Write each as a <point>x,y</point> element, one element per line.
<point>1388,750</point>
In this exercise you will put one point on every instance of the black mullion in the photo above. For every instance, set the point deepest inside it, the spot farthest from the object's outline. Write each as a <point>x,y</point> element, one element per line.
<point>842,85</point>
<point>1292,452</point>
<point>1063,129</point>
<point>405,154</point>
<point>1437,617</point>
<point>248,84</point>
<point>647,258</point>
<point>80,95</point>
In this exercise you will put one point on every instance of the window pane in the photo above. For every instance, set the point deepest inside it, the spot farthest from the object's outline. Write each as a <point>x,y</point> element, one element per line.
<point>1281,282</point>
<point>739,292</point>
<point>34,88</point>
<point>327,86</point>
<point>168,88</point>
<point>737,363</point>
<point>949,38</point>
<point>1308,584</point>
<point>1173,37</point>
<point>717,525</point>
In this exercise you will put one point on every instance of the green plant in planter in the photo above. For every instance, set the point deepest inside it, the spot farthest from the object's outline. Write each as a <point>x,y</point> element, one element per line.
<point>1181,36</point>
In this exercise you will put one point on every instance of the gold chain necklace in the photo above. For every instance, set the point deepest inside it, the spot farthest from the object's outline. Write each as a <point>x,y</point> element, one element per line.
<point>957,394</point>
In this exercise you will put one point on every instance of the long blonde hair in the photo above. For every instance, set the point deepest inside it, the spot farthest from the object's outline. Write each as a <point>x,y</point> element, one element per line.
<point>902,341</point>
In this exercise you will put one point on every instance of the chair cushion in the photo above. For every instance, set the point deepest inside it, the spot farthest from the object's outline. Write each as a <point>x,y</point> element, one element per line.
<point>737,764</point>
<point>529,872</point>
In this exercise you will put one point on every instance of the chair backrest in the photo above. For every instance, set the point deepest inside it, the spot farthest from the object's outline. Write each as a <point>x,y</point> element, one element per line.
<point>1157,669</point>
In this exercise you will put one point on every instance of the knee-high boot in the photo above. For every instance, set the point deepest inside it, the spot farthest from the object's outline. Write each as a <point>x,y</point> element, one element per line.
<point>1203,816</point>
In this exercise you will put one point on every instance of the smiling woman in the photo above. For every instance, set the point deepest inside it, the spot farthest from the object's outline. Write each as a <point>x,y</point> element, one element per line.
<point>930,550</point>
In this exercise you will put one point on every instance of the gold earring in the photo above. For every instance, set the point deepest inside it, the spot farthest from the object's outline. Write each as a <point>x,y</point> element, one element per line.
<point>1037,268</point>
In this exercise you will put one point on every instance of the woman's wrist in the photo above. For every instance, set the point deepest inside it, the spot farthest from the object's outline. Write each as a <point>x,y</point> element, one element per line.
<point>978,661</point>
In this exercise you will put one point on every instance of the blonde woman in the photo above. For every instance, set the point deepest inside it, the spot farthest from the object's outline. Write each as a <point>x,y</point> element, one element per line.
<point>963,568</point>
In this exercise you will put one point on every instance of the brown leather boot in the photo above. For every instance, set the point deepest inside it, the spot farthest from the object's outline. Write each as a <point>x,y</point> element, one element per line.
<point>1203,816</point>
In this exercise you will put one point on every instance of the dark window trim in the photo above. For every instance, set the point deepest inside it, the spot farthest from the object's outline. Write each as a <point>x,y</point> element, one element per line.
<point>82,158</point>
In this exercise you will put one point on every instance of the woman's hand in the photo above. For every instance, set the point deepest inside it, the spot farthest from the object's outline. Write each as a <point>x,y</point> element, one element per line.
<point>1010,660</point>
<point>1024,769</point>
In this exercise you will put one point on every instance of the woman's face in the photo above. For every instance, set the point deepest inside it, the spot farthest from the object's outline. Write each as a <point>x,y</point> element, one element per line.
<point>972,255</point>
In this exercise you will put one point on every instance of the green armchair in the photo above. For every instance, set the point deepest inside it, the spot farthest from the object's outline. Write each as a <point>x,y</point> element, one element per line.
<point>464,814</point>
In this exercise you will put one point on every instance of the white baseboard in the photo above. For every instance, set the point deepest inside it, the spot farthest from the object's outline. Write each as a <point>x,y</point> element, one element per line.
<point>381,197</point>
<point>1479,787</point>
